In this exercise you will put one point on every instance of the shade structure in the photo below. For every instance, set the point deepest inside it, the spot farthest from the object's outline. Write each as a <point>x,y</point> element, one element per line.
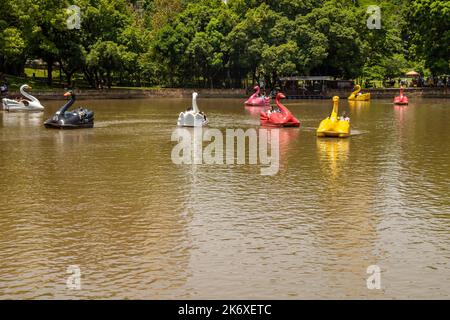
<point>412,74</point>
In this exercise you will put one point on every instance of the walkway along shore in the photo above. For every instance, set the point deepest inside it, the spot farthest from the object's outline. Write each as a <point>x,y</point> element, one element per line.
<point>221,93</point>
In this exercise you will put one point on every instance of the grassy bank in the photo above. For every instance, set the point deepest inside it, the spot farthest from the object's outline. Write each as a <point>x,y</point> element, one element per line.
<point>15,82</point>
<point>39,82</point>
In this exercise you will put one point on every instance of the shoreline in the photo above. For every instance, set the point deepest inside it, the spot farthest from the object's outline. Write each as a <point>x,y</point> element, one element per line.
<point>90,94</point>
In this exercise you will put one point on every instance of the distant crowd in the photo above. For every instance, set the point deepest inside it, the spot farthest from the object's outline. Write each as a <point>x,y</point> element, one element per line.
<point>442,81</point>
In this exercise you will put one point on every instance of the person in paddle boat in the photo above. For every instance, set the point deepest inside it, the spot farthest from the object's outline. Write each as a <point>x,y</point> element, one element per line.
<point>4,89</point>
<point>345,117</point>
<point>274,109</point>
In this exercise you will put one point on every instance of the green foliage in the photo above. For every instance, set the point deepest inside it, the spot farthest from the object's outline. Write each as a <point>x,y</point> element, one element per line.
<point>429,30</point>
<point>12,44</point>
<point>210,43</point>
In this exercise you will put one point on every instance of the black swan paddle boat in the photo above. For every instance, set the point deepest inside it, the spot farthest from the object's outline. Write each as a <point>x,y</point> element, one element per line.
<point>76,119</point>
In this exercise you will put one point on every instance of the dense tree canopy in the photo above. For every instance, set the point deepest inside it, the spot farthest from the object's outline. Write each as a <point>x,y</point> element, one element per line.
<point>429,30</point>
<point>213,43</point>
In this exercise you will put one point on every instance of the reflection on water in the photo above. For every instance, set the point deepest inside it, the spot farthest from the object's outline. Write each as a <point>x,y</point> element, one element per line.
<point>110,200</point>
<point>358,104</point>
<point>22,119</point>
<point>333,155</point>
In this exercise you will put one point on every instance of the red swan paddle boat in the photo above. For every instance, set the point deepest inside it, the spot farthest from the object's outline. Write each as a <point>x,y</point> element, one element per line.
<point>279,117</point>
<point>401,99</point>
<point>256,100</point>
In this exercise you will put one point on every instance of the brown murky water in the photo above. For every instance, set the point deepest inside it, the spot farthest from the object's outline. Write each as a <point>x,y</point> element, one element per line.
<point>110,201</point>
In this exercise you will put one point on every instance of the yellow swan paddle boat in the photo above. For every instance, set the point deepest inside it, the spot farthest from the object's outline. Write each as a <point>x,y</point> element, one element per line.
<point>333,126</point>
<point>358,96</point>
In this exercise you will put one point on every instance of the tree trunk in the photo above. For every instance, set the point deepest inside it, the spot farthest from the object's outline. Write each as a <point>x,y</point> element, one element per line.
<point>97,78</point>
<point>90,78</point>
<point>68,73</point>
<point>274,79</point>
<point>108,79</point>
<point>69,78</point>
<point>50,72</point>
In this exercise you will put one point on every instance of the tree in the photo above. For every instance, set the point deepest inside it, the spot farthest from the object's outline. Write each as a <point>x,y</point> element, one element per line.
<point>49,18</point>
<point>103,59</point>
<point>279,60</point>
<point>312,46</point>
<point>163,12</point>
<point>13,41</point>
<point>210,43</point>
<point>12,49</point>
<point>339,25</point>
<point>114,26</point>
<point>260,28</point>
<point>429,31</point>
<point>193,46</point>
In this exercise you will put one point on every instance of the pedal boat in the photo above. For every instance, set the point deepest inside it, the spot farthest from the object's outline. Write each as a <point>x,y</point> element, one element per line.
<point>333,126</point>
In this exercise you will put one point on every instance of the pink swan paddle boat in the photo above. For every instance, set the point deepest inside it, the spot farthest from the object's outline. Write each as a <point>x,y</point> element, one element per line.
<point>256,100</point>
<point>280,117</point>
<point>401,99</point>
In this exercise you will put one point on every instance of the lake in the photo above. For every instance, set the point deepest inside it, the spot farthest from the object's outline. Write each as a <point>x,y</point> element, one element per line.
<point>111,202</point>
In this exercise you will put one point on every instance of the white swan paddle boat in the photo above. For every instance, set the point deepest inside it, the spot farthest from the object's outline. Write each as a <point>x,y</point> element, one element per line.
<point>192,117</point>
<point>28,104</point>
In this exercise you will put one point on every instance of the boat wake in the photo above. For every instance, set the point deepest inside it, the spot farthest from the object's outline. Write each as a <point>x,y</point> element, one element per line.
<point>357,132</point>
<point>110,123</point>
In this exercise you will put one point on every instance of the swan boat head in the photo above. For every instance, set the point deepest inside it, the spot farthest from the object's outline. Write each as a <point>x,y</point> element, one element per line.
<point>281,95</point>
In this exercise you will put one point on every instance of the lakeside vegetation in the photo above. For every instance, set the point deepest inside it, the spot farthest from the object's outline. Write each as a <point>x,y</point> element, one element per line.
<point>212,44</point>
